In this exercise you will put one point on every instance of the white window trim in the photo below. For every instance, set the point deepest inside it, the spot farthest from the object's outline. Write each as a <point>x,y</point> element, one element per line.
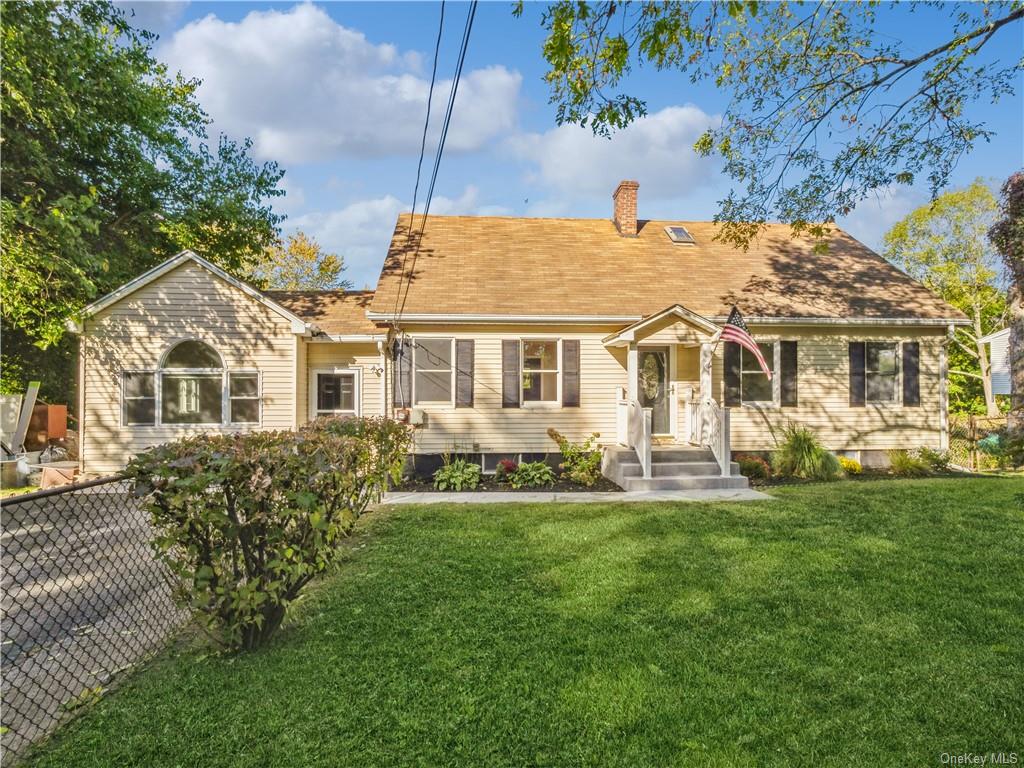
<point>228,397</point>
<point>357,394</point>
<point>541,404</point>
<point>897,400</point>
<point>450,402</point>
<point>156,397</point>
<point>225,394</point>
<point>776,378</point>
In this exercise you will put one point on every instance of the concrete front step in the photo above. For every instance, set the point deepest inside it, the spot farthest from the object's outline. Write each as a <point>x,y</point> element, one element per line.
<point>659,455</point>
<point>689,483</point>
<point>676,468</point>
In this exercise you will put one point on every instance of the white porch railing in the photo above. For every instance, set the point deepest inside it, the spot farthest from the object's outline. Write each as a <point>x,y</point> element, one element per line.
<point>709,428</point>
<point>635,431</point>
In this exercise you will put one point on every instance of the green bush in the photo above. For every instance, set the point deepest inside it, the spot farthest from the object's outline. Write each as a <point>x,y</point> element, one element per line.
<point>457,474</point>
<point>850,466</point>
<point>505,468</point>
<point>907,464</point>
<point>532,474</point>
<point>801,455</point>
<point>580,463</point>
<point>754,467</point>
<point>937,461</point>
<point>245,521</point>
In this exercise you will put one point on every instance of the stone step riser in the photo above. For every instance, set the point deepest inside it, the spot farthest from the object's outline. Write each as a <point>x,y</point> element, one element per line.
<point>682,483</point>
<point>676,469</point>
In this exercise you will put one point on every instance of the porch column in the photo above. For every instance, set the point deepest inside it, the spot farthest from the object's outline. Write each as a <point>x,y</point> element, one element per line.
<point>707,353</point>
<point>632,369</point>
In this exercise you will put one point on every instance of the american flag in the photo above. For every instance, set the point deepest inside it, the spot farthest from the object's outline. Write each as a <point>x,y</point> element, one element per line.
<point>736,330</point>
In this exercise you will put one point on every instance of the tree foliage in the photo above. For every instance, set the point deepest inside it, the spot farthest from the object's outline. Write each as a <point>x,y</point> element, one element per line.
<point>823,110</point>
<point>945,245</point>
<point>300,264</point>
<point>1007,236</point>
<point>106,167</point>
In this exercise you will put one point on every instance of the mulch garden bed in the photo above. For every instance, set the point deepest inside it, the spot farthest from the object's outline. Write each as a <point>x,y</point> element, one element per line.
<point>489,485</point>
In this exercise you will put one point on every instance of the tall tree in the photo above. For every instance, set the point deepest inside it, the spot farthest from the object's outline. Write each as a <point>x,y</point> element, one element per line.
<point>1008,237</point>
<point>945,245</point>
<point>106,172</point>
<point>824,109</point>
<point>300,264</point>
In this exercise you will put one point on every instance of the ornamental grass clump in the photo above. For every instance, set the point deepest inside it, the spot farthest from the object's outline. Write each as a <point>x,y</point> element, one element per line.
<point>801,455</point>
<point>245,521</point>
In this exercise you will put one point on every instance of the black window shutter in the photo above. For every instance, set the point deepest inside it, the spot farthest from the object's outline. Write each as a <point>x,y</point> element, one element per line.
<point>911,373</point>
<point>732,374</point>
<point>463,373</point>
<point>570,373</point>
<point>788,382</point>
<point>401,395</point>
<point>510,373</point>
<point>857,378</point>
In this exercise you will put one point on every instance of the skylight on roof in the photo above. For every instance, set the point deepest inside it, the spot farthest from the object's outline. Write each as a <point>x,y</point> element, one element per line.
<point>680,235</point>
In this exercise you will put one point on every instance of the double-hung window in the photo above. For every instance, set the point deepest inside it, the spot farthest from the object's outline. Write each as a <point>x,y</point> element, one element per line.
<point>335,393</point>
<point>432,371</point>
<point>244,397</point>
<point>880,371</point>
<point>138,397</point>
<point>755,386</point>
<point>540,370</point>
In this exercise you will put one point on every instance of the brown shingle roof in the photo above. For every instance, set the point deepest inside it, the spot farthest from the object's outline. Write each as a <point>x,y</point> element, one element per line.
<point>334,312</point>
<point>518,266</point>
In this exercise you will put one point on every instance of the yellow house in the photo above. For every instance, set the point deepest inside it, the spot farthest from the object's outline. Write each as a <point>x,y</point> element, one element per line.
<point>483,332</point>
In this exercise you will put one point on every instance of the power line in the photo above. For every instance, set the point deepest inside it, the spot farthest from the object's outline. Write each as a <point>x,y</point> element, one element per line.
<point>423,148</point>
<point>437,159</point>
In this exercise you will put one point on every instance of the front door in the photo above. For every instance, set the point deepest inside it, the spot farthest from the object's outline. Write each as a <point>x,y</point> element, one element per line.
<point>653,387</point>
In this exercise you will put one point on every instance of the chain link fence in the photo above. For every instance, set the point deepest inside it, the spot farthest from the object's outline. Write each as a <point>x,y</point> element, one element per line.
<point>83,600</point>
<point>965,432</point>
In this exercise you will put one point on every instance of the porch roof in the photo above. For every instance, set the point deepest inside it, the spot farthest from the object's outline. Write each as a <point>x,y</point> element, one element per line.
<point>638,329</point>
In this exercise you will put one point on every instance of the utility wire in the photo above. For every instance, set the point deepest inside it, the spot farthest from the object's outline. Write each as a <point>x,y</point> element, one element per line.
<point>423,148</point>
<point>437,159</point>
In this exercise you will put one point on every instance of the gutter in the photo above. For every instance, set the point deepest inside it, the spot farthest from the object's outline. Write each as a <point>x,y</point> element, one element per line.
<point>610,319</point>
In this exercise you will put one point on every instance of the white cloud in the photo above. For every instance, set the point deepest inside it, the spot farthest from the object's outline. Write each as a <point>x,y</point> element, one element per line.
<point>361,231</point>
<point>292,201</point>
<point>875,216</point>
<point>656,150</point>
<point>308,89</point>
<point>158,16</point>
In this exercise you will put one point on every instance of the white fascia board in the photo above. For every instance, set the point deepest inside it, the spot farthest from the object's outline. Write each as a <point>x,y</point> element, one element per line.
<point>299,326</point>
<point>348,338</point>
<point>386,317</point>
<point>880,321</point>
<point>996,335</point>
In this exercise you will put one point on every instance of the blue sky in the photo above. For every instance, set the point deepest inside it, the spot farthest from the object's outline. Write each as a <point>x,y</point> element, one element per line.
<point>335,93</point>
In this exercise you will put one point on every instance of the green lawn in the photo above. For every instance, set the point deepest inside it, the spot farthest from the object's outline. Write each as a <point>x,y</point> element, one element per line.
<point>860,623</point>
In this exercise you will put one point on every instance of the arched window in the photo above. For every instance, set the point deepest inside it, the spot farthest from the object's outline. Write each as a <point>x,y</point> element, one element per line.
<point>192,386</point>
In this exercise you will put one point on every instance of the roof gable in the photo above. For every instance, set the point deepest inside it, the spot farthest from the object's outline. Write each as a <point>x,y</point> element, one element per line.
<point>298,324</point>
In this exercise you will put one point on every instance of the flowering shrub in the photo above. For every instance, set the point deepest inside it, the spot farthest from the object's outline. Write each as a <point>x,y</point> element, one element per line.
<point>505,468</point>
<point>754,467</point>
<point>850,466</point>
<point>245,521</point>
<point>580,463</point>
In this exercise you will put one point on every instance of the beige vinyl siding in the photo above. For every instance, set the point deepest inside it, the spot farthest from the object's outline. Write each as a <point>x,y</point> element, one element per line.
<point>823,370</point>
<point>489,428</point>
<point>188,302</point>
<point>362,357</point>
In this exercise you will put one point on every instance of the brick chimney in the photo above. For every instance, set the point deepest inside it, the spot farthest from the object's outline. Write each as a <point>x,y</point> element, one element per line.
<point>624,199</point>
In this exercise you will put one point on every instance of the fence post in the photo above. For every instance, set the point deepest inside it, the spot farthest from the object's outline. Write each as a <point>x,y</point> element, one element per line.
<point>972,436</point>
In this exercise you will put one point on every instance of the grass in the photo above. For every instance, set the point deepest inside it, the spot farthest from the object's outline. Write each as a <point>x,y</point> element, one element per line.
<point>842,624</point>
<point>6,493</point>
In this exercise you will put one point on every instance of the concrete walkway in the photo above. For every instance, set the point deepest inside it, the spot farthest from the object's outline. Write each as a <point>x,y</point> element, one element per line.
<point>532,497</point>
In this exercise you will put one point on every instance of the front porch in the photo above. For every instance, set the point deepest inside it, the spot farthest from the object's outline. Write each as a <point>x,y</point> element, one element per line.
<point>669,402</point>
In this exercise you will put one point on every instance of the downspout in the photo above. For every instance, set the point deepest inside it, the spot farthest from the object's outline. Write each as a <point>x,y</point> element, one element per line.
<point>944,388</point>
<point>81,398</point>
<point>381,346</point>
